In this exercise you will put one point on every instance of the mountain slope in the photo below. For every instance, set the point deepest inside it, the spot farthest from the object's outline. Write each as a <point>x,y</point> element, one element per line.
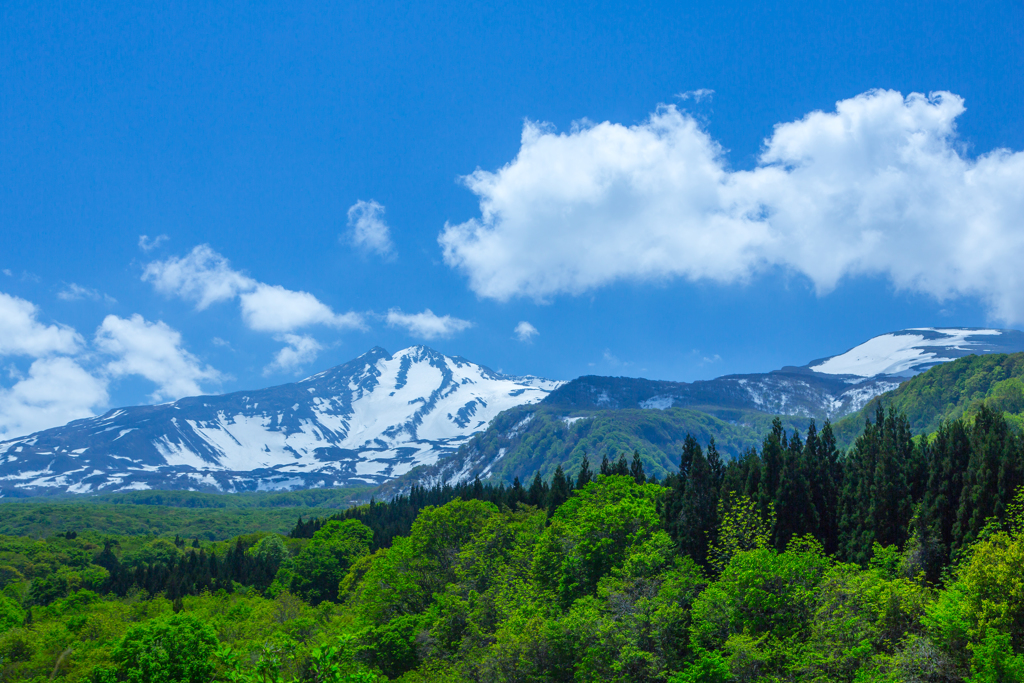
<point>538,438</point>
<point>363,422</point>
<point>949,391</point>
<point>602,415</point>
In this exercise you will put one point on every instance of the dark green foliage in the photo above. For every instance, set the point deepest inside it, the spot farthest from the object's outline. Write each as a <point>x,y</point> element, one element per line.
<point>636,469</point>
<point>994,471</point>
<point>876,503</point>
<point>691,501</point>
<point>559,491</point>
<point>584,476</point>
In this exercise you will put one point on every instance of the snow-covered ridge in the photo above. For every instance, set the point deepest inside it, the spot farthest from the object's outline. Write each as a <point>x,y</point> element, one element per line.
<point>364,422</point>
<point>910,351</point>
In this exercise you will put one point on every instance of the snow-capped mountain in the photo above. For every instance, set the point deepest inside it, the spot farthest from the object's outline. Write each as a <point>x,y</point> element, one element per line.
<point>826,388</point>
<point>375,418</point>
<point>363,422</point>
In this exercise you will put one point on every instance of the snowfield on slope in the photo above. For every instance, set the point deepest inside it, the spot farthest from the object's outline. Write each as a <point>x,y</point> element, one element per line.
<point>901,352</point>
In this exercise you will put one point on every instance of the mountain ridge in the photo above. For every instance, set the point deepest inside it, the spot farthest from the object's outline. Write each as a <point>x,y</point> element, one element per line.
<point>419,416</point>
<point>362,422</point>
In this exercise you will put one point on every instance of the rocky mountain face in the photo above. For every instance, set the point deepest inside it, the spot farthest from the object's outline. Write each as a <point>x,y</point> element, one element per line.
<point>363,422</point>
<point>376,418</point>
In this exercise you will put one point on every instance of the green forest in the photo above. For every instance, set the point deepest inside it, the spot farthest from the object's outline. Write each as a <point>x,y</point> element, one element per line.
<point>899,559</point>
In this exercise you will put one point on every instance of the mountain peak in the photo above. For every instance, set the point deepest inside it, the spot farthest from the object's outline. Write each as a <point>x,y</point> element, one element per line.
<point>362,422</point>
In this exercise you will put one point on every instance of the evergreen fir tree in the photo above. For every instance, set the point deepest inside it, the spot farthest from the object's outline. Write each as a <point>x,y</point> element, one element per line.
<point>559,492</point>
<point>537,495</point>
<point>794,500</point>
<point>984,495</point>
<point>697,518</point>
<point>585,475</point>
<point>636,468</point>
<point>772,457</point>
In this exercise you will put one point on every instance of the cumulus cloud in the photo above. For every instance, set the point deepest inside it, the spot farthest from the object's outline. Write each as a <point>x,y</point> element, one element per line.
<point>69,378</point>
<point>367,229</point>
<point>148,244</point>
<point>427,325</point>
<point>56,391</point>
<point>205,277</point>
<point>525,331</point>
<point>153,351</point>
<point>299,350</point>
<point>879,186</point>
<point>272,308</point>
<point>21,333</point>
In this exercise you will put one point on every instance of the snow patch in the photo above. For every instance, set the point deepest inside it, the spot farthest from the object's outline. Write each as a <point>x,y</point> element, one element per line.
<point>893,354</point>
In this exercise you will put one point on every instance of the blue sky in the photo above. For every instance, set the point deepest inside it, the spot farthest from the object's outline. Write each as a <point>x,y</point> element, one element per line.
<point>635,202</point>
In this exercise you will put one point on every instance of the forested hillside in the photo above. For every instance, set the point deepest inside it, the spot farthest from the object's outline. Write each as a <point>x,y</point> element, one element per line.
<point>900,560</point>
<point>949,391</point>
<point>528,439</point>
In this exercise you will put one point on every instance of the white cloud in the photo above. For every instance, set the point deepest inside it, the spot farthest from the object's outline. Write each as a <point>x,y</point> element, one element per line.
<point>367,229</point>
<point>204,276</point>
<point>300,350</point>
<point>525,331</point>
<point>153,351</point>
<point>75,292</point>
<point>879,186</point>
<point>272,308</point>
<point>21,334</point>
<point>147,244</point>
<point>56,391</point>
<point>426,325</point>
<point>696,95</point>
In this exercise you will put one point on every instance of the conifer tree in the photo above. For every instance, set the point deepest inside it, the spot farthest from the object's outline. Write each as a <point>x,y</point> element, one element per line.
<point>606,467</point>
<point>829,477</point>
<point>772,457</point>
<point>991,475</point>
<point>559,492</point>
<point>537,495</point>
<point>715,464</point>
<point>794,500</point>
<point>585,475</point>
<point>876,502</point>
<point>636,469</point>
<point>697,518</point>
<point>621,466</point>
